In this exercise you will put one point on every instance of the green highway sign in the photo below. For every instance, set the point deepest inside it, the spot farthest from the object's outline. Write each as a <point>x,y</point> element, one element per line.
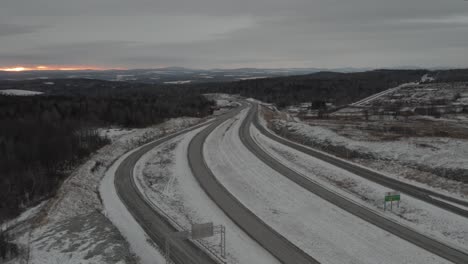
<point>390,198</point>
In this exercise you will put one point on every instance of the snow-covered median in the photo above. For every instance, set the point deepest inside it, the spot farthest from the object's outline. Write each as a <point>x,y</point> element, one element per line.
<point>326,232</point>
<point>164,176</point>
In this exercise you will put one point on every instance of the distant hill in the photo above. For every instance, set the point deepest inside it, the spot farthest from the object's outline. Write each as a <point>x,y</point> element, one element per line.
<point>339,88</point>
<point>166,75</point>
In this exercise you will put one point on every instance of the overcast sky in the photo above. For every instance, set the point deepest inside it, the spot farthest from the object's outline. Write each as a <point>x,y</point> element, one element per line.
<point>234,33</point>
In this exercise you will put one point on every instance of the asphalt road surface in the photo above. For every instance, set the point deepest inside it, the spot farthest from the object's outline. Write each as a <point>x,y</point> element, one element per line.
<point>154,224</point>
<point>414,191</point>
<point>425,242</point>
<point>272,241</point>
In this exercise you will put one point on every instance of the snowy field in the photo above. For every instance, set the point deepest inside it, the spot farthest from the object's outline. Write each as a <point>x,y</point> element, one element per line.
<point>164,176</point>
<point>71,228</point>
<point>326,232</point>
<point>17,92</point>
<point>178,82</point>
<point>426,218</point>
<point>410,157</point>
<point>434,152</point>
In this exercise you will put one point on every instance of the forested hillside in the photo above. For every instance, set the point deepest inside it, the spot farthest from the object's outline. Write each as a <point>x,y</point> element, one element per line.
<point>43,137</point>
<point>340,88</point>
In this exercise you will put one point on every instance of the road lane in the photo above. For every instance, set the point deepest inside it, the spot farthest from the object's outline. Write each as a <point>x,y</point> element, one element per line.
<point>272,241</point>
<point>155,225</point>
<point>425,242</point>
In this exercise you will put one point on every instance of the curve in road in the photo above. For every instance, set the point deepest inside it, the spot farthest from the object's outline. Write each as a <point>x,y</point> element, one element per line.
<point>155,225</point>
<point>268,238</point>
<point>409,189</point>
<point>425,242</point>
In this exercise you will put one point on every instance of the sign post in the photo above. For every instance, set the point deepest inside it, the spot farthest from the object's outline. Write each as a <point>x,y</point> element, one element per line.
<point>198,232</point>
<point>182,235</point>
<point>390,197</point>
<point>202,230</point>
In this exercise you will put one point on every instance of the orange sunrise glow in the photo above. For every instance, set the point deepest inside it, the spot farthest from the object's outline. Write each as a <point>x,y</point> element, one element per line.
<point>15,69</point>
<point>49,68</point>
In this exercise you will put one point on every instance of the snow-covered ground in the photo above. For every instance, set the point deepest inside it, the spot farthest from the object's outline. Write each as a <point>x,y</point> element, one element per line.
<point>70,228</point>
<point>425,218</point>
<point>147,251</point>
<point>430,151</point>
<point>24,216</point>
<point>114,133</point>
<point>178,82</point>
<point>326,232</point>
<point>252,78</point>
<point>164,176</point>
<point>377,95</point>
<point>427,78</point>
<point>395,158</point>
<point>17,92</point>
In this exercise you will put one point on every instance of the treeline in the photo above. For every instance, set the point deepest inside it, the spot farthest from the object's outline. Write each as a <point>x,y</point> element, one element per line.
<point>338,88</point>
<point>36,156</point>
<point>43,137</point>
<point>126,110</point>
<point>7,250</point>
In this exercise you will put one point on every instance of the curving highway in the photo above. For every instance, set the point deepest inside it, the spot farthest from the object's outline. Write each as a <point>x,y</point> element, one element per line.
<point>154,224</point>
<point>272,241</point>
<point>414,191</point>
<point>186,252</point>
<point>425,242</point>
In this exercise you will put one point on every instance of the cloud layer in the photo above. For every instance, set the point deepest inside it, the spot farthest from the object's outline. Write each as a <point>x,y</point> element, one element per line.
<point>243,33</point>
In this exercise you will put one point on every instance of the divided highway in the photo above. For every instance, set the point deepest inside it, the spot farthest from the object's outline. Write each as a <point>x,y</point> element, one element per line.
<point>417,192</point>
<point>186,252</point>
<point>268,238</point>
<point>425,242</point>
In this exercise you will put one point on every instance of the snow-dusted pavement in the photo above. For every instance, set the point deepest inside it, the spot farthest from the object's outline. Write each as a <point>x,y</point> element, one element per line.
<point>326,232</point>
<point>426,218</point>
<point>164,176</point>
<point>116,211</point>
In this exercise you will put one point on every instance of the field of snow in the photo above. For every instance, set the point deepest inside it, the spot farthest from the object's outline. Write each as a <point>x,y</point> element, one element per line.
<point>410,157</point>
<point>178,82</point>
<point>164,176</point>
<point>16,92</point>
<point>24,216</point>
<point>427,78</point>
<point>425,218</point>
<point>252,78</point>
<point>434,152</point>
<point>326,232</point>
<point>70,227</point>
<point>375,96</point>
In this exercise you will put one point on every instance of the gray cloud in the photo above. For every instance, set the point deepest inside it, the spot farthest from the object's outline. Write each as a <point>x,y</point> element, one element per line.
<point>221,33</point>
<point>12,29</point>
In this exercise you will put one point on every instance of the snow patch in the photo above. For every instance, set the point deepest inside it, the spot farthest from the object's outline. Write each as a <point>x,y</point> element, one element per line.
<point>16,92</point>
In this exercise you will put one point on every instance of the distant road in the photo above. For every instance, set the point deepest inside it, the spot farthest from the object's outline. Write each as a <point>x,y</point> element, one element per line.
<point>417,192</point>
<point>155,225</point>
<point>272,241</point>
<point>425,242</point>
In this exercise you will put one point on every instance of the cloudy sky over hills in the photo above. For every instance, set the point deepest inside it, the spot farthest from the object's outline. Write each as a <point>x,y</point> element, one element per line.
<point>242,33</point>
